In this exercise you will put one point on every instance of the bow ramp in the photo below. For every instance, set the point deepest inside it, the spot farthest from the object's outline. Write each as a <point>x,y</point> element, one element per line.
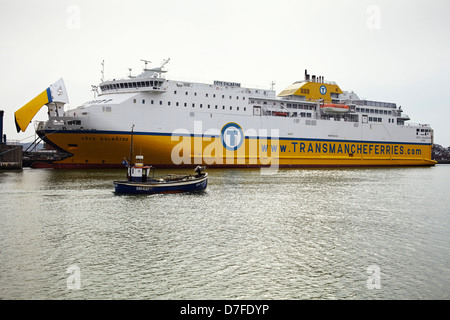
<point>56,93</point>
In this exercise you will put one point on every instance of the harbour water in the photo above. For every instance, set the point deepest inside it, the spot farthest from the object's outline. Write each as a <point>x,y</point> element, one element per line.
<point>379,233</point>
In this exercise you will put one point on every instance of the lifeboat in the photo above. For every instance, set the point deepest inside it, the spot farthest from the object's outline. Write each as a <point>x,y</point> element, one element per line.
<point>280,114</point>
<point>334,108</point>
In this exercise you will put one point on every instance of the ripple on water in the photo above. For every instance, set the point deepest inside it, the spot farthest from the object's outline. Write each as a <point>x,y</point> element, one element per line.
<point>299,234</point>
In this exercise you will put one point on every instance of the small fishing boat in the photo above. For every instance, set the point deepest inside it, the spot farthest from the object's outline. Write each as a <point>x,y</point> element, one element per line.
<point>139,180</point>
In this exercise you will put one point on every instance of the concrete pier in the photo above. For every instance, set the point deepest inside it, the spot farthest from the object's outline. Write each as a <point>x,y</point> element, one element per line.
<point>10,155</point>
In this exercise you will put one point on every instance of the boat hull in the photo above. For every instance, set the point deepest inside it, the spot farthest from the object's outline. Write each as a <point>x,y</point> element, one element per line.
<point>106,150</point>
<point>127,187</point>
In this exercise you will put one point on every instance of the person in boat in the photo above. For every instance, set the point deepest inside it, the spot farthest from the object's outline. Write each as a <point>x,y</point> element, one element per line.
<point>199,172</point>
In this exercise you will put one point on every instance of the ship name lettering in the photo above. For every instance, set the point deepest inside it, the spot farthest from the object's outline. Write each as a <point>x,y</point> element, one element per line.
<point>228,84</point>
<point>113,139</point>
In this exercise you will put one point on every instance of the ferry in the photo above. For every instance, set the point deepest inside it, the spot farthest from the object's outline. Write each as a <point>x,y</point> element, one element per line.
<point>311,123</point>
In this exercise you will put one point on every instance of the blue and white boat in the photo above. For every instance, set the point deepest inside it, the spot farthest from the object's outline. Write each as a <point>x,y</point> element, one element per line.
<point>139,180</point>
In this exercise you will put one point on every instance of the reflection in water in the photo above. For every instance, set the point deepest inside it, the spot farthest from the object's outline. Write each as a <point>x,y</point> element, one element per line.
<point>299,234</point>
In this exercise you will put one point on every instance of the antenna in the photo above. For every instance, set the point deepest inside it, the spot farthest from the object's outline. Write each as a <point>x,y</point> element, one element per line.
<point>145,62</point>
<point>103,71</point>
<point>95,90</point>
<point>272,84</point>
<point>130,76</point>
<point>165,61</point>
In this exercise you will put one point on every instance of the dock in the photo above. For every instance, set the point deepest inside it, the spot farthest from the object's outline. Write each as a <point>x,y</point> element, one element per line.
<point>10,155</point>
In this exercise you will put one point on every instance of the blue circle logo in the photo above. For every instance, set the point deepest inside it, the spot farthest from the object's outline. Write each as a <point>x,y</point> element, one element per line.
<point>232,136</point>
<point>323,90</point>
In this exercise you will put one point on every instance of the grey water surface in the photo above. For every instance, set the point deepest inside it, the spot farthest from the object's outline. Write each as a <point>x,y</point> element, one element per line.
<point>298,234</point>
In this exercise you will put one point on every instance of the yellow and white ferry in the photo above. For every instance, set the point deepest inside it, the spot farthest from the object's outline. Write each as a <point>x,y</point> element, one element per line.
<point>312,123</point>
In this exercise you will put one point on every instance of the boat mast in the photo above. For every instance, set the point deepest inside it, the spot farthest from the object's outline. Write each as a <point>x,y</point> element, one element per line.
<point>131,143</point>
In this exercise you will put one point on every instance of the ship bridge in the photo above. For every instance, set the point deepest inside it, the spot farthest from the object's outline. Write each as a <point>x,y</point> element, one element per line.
<point>133,85</point>
<point>149,80</point>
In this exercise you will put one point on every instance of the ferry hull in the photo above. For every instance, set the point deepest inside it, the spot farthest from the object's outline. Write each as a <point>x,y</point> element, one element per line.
<point>108,150</point>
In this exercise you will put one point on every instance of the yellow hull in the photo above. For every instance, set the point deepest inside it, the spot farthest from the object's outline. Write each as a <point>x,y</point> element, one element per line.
<point>162,150</point>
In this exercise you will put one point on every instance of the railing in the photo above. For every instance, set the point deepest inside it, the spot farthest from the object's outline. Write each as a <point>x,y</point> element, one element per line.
<point>374,103</point>
<point>417,125</point>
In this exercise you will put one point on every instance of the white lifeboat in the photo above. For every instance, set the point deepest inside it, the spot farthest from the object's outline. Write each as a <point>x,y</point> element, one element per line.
<point>334,108</point>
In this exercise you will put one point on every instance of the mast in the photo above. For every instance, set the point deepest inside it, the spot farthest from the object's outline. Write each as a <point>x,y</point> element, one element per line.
<point>103,71</point>
<point>131,143</point>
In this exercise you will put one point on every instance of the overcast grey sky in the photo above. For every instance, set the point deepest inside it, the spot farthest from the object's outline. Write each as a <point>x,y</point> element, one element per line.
<point>393,51</point>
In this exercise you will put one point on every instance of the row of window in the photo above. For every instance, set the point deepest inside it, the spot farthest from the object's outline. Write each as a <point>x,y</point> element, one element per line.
<point>390,120</point>
<point>207,95</point>
<point>285,114</point>
<point>305,91</point>
<point>300,106</point>
<point>131,85</point>
<point>375,111</point>
<point>185,104</point>
<point>288,105</point>
<point>375,104</point>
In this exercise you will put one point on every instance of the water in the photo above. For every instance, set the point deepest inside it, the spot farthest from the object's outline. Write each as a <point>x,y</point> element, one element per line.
<point>299,234</point>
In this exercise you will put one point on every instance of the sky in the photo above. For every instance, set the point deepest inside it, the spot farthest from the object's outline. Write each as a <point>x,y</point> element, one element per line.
<point>393,51</point>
